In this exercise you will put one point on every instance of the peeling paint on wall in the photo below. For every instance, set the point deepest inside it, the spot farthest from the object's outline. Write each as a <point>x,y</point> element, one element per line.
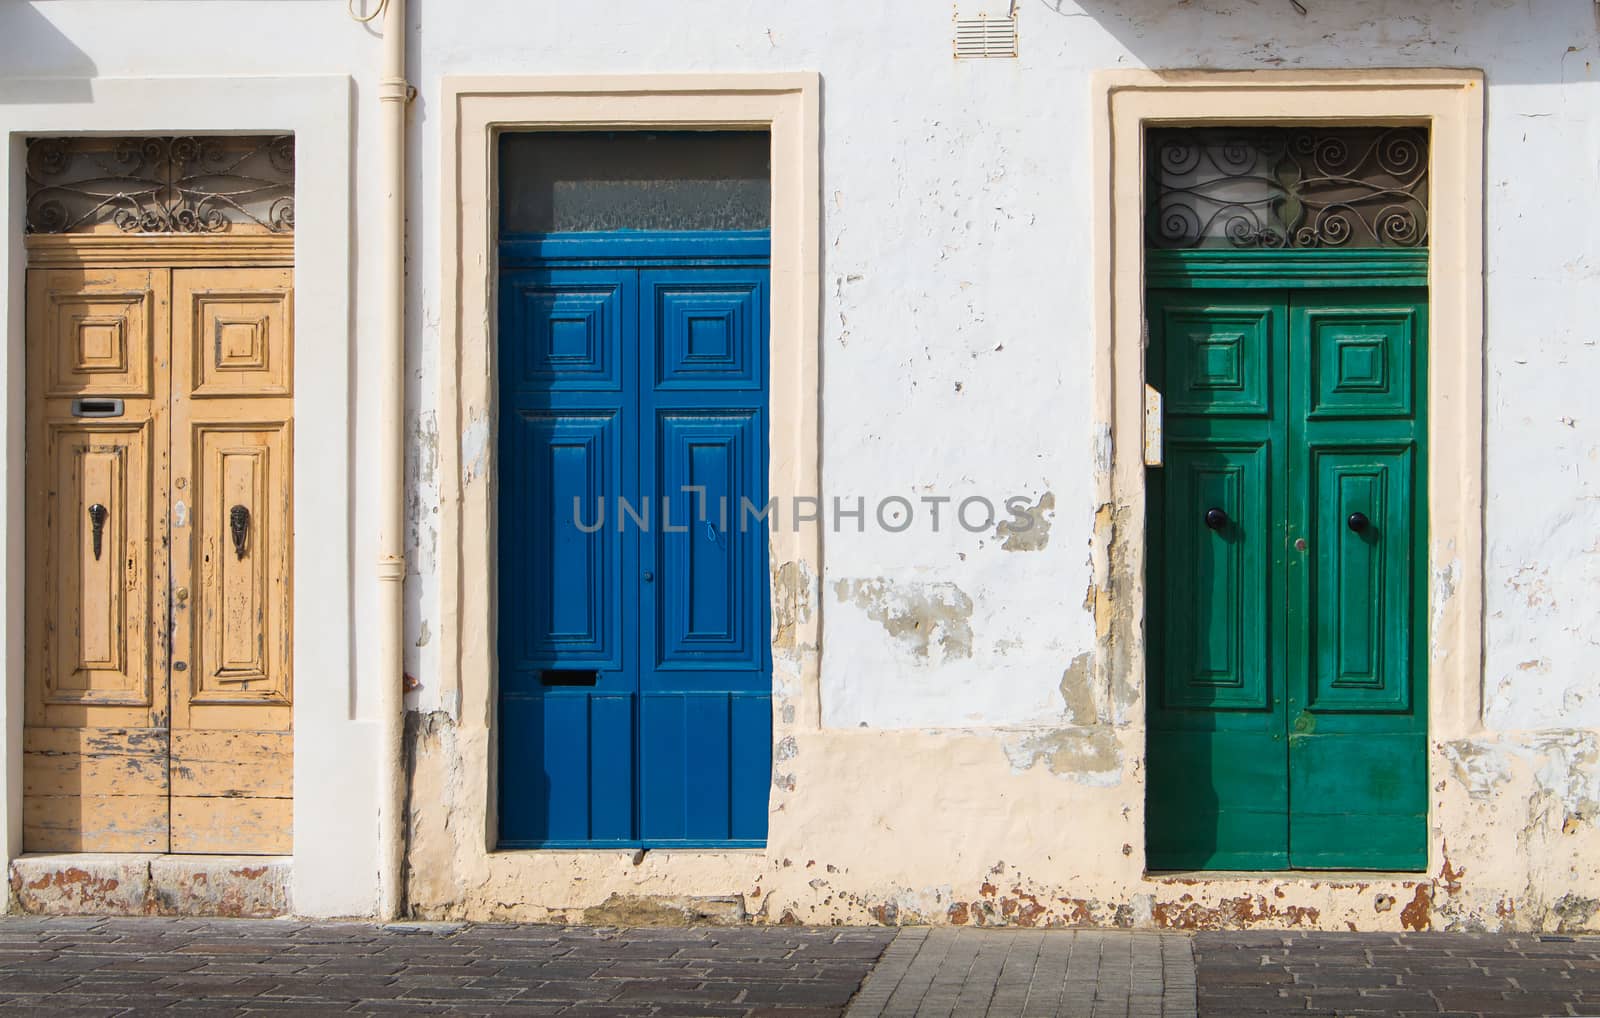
<point>1015,535</point>
<point>1090,756</point>
<point>931,620</point>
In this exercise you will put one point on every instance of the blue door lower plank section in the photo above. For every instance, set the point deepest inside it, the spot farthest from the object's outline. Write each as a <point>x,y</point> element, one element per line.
<point>635,661</point>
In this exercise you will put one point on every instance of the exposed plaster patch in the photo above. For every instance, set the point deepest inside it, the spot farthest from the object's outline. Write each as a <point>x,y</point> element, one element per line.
<point>791,602</point>
<point>1077,691</point>
<point>1446,580</point>
<point>474,448</point>
<point>1479,766</point>
<point>1575,913</point>
<point>1036,534</point>
<point>667,910</point>
<point>921,616</point>
<point>1090,756</point>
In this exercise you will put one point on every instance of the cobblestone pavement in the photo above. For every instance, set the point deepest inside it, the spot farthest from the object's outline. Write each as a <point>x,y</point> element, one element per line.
<point>1254,975</point>
<point>955,973</point>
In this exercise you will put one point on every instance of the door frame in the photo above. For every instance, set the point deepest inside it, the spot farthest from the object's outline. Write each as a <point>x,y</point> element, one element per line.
<point>1451,104</point>
<point>475,109</point>
<point>335,823</point>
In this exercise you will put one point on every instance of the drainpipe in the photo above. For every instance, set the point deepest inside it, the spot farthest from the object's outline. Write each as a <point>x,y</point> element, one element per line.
<point>393,95</point>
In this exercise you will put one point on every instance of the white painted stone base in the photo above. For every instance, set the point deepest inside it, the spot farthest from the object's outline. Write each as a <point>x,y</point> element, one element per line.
<point>147,884</point>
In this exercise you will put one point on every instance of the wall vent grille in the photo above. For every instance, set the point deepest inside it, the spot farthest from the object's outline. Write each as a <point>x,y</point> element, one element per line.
<point>983,37</point>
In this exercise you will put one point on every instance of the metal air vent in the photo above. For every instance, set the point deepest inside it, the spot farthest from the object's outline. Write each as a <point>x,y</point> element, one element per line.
<point>984,36</point>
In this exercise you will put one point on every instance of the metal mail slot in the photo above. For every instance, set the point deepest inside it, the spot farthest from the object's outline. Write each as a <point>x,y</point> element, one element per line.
<point>568,677</point>
<point>94,407</point>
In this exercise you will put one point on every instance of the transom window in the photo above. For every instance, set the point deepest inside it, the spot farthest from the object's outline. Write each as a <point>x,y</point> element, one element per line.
<point>1298,187</point>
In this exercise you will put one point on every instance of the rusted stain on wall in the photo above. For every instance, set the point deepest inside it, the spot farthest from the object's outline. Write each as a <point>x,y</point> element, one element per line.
<point>1240,912</point>
<point>1418,915</point>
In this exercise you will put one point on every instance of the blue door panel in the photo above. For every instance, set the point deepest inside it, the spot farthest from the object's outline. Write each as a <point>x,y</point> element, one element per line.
<point>635,672</point>
<point>663,751</point>
<point>572,772</point>
<point>566,328</point>
<point>710,587</point>
<point>708,325</point>
<point>751,765</point>
<point>611,766</point>
<point>705,767</point>
<point>564,606</point>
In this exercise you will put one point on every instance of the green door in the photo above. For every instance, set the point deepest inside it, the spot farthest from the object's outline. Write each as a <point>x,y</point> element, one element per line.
<point>1287,648</point>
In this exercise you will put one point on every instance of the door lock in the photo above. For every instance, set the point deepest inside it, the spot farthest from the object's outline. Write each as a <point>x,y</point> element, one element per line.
<point>1305,723</point>
<point>181,594</point>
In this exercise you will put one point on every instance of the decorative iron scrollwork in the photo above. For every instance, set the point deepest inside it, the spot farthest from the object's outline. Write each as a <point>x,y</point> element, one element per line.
<point>239,528</point>
<point>1263,187</point>
<point>97,526</point>
<point>160,185</point>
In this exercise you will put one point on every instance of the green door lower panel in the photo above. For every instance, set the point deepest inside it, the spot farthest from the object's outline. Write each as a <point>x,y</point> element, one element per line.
<point>1287,537</point>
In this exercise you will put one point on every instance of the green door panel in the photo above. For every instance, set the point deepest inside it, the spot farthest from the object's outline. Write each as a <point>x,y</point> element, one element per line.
<point>1362,597</point>
<point>1219,356</point>
<point>1221,655</point>
<point>1287,647</point>
<point>1220,802</point>
<point>1358,801</point>
<point>1217,758</point>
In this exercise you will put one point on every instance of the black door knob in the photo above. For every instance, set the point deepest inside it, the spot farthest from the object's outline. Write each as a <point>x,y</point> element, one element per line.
<point>1216,519</point>
<point>1358,522</point>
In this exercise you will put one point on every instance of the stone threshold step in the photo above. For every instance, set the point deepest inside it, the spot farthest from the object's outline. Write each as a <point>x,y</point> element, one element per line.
<point>124,884</point>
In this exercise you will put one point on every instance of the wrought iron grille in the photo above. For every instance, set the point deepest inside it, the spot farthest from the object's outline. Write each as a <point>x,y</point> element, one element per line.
<point>1265,187</point>
<point>160,185</point>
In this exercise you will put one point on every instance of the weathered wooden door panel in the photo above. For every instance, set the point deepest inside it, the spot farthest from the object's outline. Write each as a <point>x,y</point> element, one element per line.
<point>635,685</point>
<point>158,654</point>
<point>1287,634</point>
<point>95,663</point>
<point>232,413</point>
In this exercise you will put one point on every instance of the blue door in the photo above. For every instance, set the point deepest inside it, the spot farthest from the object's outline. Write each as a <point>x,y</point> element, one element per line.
<point>635,661</point>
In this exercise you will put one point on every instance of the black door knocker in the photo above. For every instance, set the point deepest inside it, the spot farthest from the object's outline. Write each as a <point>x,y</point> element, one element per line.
<point>239,527</point>
<point>97,526</point>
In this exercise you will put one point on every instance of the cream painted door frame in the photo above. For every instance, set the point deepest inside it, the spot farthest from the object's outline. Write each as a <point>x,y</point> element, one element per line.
<point>1451,104</point>
<point>476,109</point>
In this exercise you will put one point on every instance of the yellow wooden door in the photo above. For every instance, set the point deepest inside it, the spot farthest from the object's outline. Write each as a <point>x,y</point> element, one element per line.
<point>159,660</point>
<point>232,419</point>
<point>95,744</point>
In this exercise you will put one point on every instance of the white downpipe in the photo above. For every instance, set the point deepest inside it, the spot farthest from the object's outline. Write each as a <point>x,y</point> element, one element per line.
<point>393,95</point>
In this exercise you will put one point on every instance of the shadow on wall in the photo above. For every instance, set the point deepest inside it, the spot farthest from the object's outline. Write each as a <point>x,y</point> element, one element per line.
<point>1516,41</point>
<point>40,64</point>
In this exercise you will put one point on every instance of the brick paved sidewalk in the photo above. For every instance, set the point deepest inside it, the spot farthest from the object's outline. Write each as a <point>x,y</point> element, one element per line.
<point>1333,975</point>
<point>99,968</point>
<point>130,967</point>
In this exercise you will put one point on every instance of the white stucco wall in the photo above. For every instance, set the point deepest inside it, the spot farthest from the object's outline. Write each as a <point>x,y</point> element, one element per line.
<point>956,359</point>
